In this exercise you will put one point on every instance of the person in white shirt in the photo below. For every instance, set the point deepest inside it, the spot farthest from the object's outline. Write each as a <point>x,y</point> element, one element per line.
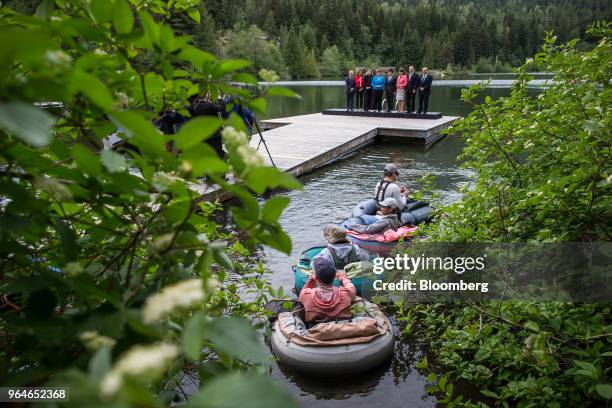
<point>387,187</point>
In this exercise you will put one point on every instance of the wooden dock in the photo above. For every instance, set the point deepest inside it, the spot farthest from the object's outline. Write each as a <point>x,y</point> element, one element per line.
<point>300,144</point>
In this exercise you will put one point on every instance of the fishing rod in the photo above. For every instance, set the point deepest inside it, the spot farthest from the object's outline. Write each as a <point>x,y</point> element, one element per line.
<point>261,139</point>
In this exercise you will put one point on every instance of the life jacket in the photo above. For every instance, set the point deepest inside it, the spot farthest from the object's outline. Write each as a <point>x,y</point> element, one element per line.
<point>340,263</point>
<point>380,193</point>
<point>382,189</point>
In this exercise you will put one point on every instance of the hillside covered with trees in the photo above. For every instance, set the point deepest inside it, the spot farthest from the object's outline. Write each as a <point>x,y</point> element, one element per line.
<point>301,38</point>
<point>305,39</point>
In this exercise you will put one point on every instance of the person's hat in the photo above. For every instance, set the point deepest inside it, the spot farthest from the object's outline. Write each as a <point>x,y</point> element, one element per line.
<point>334,233</point>
<point>324,269</point>
<point>391,168</point>
<point>389,202</point>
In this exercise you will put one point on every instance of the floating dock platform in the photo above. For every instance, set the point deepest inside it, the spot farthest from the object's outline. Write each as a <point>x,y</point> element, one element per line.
<point>301,144</point>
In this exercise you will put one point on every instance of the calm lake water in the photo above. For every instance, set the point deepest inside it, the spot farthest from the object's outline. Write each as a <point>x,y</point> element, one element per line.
<point>327,197</point>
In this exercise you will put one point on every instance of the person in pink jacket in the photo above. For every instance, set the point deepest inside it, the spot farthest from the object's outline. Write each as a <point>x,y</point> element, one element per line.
<point>322,301</point>
<point>400,93</point>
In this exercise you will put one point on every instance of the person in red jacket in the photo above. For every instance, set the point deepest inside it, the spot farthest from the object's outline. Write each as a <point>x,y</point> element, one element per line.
<point>359,86</point>
<point>400,93</point>
<point>322,301</point>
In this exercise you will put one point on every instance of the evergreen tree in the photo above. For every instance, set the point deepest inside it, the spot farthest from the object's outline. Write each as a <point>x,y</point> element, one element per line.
<point>311,68</point>
<point>270,23</point>
<point>324,42</point>
<point>412,49</point>
<point>205,36</point>
<point>294,54</point>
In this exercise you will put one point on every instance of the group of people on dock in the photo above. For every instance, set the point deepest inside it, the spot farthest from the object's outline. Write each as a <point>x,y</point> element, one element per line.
<point>321,300</point>
<point>367,92</point>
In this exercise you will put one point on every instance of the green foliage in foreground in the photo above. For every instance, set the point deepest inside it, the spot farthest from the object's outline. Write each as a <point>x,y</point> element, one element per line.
<point>114,275</point>
<point>544,174</point>
<point>544,163</point>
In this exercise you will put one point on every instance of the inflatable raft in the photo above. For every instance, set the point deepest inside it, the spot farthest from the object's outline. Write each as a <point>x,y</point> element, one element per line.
<point>334,349</point>
<point>301,271</point>
<point>380,244</point>
<point>415,213</point>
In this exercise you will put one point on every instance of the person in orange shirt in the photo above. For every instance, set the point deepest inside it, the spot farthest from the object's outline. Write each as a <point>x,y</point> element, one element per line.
<point>322,301</point>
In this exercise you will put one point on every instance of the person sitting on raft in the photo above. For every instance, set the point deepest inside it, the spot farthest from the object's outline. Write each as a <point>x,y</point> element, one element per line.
<point>339,249</point>
<point>389,219</point>
<point>322,301</point>
<point>387,188</point>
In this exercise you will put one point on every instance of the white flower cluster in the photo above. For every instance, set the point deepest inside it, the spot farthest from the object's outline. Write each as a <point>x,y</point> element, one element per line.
<point>234,138</point>
<point>238,142</point>
<point>149,361</point>
<point>249,156</point>
<point>162,180</point>
<point>181,295</point>
<point>58,59</point>
<point>93,340</point>
<point>55,188</point>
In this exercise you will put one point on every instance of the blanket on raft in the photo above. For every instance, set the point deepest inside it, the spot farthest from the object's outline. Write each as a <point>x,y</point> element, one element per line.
<point>368,323</point>
<point>387,236</point>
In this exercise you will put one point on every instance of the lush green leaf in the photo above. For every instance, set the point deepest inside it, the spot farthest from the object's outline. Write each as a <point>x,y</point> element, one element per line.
<point>102,10</point>
<point>262,178</point>
<point>605,390</point>
<point>91,86</point>
<point>280,91</point>
<point>30,124</point>
<point>236,338</point>
<point>123,19</point>
<point>86,160</point>
<point>112,161</point>
<point>241,390</point>
<point>193,335</point>
<point>197,130</point>
<point>273,208</point>
<point>227,66</point>
<point>141,133</point>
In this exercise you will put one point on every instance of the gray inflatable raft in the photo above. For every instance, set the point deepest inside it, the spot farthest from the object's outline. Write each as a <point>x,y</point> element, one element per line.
<point>335,360</point>
<point>415,212</point>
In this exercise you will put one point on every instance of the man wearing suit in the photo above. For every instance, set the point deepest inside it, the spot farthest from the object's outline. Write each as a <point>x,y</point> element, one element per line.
<point>349,89</point>
<point>411,89</point>
<point>390,83</point>
<point>424,90</point>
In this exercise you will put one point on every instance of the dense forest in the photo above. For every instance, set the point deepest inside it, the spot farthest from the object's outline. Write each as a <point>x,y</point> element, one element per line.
<point>305,39</point>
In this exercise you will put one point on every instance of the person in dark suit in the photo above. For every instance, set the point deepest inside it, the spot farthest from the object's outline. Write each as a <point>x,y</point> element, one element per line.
<point>411,89</point>
<point>349,89</point>
<point>424,90</point>
<point>390,83</point>
<point>367,84</point>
